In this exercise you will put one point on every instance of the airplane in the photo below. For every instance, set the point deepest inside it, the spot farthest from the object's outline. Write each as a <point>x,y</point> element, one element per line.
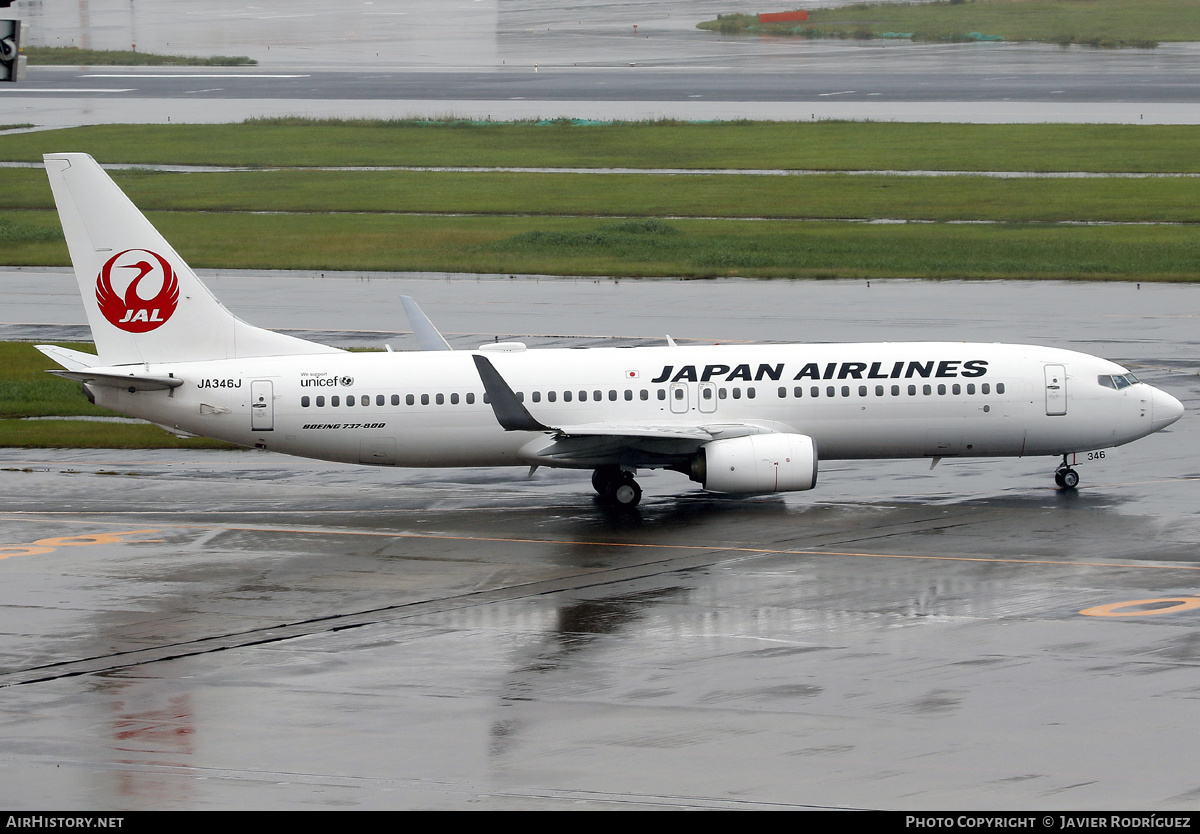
<point>741,419</point>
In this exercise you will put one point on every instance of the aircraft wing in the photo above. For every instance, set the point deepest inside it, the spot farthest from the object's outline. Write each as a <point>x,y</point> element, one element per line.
<point>697,433</point>
<point>598,444</point>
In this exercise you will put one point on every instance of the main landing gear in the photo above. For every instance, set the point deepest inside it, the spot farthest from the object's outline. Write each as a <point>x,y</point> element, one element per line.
<point>616,486</point>
<point>1066,477</point>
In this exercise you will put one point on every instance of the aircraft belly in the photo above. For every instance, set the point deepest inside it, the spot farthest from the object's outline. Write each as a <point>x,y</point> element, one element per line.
<point>918,436</point>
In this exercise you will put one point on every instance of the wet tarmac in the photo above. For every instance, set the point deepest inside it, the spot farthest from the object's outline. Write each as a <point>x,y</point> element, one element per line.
<point>245,630</point>
<point>497,59</point>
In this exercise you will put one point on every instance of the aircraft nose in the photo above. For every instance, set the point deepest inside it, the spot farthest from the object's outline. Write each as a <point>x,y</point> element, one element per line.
<point>1164,409</point>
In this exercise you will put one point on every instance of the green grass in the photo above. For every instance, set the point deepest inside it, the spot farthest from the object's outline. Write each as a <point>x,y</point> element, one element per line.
<point>788,145</point>
<point>1155,199</point>
<point>764,248</point>
<point>840,250</point>
<point>556,223</point>
<point>582,246</point>
<point>1102,23</point>
<point>74,56</point>
<point>26,390</point>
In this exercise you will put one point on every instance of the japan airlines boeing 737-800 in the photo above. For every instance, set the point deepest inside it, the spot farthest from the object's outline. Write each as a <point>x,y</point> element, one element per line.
<point>737,419</point>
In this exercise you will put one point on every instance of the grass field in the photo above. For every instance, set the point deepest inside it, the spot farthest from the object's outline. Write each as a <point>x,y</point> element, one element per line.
<point>74,56</point>
<point>1101,23</point>
<point>724,224</point>
<point>832,146</point>
<point>776,225</point>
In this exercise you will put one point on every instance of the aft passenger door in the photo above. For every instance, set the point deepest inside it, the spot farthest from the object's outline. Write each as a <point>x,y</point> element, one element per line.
<point>1056,390</point>
<point>262,405</point>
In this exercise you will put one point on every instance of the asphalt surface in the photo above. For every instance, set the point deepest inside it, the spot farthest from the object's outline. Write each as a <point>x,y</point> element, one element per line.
<point>546,59</point>
<point>244,630</point>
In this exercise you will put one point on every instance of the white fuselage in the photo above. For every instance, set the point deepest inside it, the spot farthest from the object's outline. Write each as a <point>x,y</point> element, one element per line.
<point>885,400</point>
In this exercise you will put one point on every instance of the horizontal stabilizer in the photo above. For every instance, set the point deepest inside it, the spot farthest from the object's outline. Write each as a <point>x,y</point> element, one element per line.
<point>113,379</point>
<point>72,360</point>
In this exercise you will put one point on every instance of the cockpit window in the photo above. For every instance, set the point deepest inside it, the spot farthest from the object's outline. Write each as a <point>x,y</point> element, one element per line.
<point>1117,381</point>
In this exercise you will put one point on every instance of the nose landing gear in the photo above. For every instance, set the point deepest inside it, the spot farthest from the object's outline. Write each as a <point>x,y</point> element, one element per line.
<point>616,486</point>
<point>1065,476</point>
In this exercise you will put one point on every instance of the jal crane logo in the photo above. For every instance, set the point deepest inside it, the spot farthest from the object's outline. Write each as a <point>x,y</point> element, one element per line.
<point>146,272</point>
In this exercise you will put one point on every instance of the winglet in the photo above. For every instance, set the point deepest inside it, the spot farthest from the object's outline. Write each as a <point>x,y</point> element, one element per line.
<point>427,335</point>
<point>511,414</point>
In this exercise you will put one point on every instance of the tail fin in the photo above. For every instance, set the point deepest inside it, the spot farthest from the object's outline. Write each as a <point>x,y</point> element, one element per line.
<point>144,304</point>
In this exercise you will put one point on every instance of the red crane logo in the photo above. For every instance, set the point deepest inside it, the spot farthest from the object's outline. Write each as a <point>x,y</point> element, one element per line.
<point>146,272</point>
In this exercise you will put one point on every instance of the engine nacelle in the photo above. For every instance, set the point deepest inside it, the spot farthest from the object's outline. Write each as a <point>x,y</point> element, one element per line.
<point>758,463</point>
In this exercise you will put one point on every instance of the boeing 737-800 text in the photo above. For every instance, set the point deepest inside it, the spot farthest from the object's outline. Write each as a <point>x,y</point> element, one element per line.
<point>736,419</point>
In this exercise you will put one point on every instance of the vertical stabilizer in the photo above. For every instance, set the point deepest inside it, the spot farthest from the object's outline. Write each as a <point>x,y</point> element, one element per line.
<point>143,302</point>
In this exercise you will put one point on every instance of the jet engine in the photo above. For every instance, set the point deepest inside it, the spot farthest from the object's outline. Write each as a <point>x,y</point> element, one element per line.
<point>757,463</point>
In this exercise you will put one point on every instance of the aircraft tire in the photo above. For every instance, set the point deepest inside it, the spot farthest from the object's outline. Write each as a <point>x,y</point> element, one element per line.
<point>1070,479</point>
<point>605,479</point>
<point>626,493</point>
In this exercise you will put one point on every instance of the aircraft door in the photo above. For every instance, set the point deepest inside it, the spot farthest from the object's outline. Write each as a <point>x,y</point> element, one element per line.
<point>262,405</point>
<point>706,397</point>
<point>1056,390</point>
<point>679,397</point>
